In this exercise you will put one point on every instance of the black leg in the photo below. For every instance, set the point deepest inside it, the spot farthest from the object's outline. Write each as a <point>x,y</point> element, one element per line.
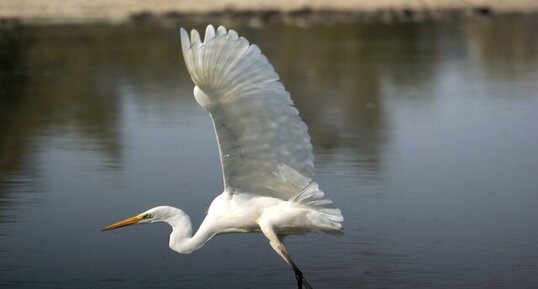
<point>300,280</point>
<point>299,277</point>
<point>278,246</point>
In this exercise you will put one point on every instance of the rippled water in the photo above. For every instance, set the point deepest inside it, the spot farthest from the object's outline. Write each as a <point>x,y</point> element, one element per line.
<point>425,135</point>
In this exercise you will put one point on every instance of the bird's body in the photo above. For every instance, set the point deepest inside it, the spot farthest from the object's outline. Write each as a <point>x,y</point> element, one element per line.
<point>264,146</point>
<point>242,213</point>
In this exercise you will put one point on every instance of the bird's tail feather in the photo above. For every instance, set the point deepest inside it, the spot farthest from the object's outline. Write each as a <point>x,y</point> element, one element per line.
<point>312,196</point>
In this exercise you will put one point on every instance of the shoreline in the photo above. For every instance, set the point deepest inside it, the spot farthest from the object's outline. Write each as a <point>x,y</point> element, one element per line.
<point>257,13</point>
<point>305,17</point>
<point>260,18</point>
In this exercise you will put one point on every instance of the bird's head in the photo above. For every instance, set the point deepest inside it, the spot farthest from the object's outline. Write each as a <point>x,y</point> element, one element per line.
<point>154,215</point>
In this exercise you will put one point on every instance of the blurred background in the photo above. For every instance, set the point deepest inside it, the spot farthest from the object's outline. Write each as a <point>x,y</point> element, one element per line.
<point>423,116</point>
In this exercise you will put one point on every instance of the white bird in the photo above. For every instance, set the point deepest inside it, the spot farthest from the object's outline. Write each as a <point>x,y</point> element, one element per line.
<point>265,151</point>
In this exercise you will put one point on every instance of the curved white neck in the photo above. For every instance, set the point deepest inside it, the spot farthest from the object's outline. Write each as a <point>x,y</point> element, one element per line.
<point>181,238</point>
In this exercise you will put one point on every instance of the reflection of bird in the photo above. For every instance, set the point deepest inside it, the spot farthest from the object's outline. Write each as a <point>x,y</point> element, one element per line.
<point>265,151</point>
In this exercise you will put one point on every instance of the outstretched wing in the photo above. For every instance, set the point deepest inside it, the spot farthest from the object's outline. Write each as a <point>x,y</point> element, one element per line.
<point>264,145</point>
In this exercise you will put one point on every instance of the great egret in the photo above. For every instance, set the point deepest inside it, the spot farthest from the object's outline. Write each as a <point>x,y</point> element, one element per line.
<point>265,151</point>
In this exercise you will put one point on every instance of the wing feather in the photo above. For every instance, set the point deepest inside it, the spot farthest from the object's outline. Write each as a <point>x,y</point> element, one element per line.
<point>264,145</point>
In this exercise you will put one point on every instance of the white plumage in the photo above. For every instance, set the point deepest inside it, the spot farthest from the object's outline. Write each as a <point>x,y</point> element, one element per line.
<point>265,151</point>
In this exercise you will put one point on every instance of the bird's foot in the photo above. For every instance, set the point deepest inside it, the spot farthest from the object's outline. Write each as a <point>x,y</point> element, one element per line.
<point>301,281</point>
<point>299,277</point>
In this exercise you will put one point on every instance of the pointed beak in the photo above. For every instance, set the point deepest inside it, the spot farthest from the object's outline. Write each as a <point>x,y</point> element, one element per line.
<point>127,222</point>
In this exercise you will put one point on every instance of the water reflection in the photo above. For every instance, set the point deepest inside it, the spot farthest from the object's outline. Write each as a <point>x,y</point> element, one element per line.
<point>413,129</point>
<point>511,52</point>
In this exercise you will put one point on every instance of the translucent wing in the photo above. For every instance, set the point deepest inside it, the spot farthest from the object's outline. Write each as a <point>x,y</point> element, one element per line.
<point>264,145</point>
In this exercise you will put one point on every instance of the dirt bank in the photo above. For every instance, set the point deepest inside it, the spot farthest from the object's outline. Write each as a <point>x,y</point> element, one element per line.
<point>62,11</point>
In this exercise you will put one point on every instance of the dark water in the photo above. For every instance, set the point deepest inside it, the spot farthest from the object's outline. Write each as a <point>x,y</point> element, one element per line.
<point>425,135</point>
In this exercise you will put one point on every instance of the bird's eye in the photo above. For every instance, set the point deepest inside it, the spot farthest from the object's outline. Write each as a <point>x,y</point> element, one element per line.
<point>147,216</point>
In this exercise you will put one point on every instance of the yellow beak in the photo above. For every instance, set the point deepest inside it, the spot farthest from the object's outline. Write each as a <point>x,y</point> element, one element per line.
<point>126,222</point>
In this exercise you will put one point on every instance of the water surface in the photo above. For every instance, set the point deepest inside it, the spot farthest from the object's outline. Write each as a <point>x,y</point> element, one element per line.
<point>425,136</point>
